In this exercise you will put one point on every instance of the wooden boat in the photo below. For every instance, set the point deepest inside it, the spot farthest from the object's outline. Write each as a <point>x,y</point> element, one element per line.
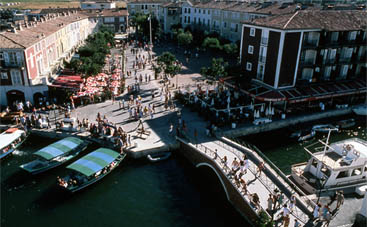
<point>10,140</point>
<point>348,123</point>
<point>158,156</point>
<point>90,169</point>
<point>55,154</point>
<point>323,128</point>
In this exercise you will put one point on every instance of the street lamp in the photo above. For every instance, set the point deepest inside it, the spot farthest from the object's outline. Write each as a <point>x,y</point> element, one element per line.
<point>150,31</point>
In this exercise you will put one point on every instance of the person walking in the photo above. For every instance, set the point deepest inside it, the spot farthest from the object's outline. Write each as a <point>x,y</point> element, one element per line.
<point>260,168</point>
<point>339,199</point>
<point>285,213</point>
<point>270,204</point>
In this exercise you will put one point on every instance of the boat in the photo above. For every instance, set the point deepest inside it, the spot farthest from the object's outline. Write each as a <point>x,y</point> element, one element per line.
<point>307,136</point>
<point>348,123</point>
<point>55,154</point>
<point>10,140</point>
<point>323,128</point>
<point>340,165</point>
<point>360,110</point>
<point>90,169</point>
<point>158,156</point>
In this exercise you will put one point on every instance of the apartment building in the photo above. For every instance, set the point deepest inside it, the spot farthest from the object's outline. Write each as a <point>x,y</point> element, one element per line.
<point>312,54</point>
<point>31,54</point>
<point>145,7</point>
<point>97,5</point>
<point>169,14</point>
<point>114,19</point>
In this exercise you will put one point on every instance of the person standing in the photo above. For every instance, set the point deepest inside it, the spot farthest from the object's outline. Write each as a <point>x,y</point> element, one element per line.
<point>260,168</point>
<point>270,204</point>
<point>339,199</point>
<point>286,218</point>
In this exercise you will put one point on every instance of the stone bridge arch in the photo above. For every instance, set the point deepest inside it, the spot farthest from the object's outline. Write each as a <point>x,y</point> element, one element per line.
<point>218,175</point>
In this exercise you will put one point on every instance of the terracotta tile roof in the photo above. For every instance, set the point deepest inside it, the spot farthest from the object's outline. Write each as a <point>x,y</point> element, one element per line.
<point>105,13</point>
<point>345,20</point>
<point>147,1</point>
<point>57,10</point>
<point>29,36</point>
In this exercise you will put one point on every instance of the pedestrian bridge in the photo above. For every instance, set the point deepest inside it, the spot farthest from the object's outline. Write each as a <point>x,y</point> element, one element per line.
<point>209,154</point>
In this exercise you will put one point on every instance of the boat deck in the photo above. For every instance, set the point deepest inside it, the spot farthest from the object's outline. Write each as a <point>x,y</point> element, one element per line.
<point>331,159</point>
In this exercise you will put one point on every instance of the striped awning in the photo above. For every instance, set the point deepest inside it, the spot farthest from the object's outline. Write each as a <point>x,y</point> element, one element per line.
<point>94,162</point>
<point>59,148</point>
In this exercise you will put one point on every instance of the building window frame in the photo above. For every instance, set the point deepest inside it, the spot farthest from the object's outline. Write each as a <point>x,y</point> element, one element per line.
<point>16,78</point>
<point>252,32</point>
<point>249,66</point>
<point>250,49</point>
<point>4,76</point>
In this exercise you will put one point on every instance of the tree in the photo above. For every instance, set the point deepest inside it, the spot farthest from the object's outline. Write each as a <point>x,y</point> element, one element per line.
<point>231,49</point>
<point>141,24</point>
<point>217,69</point>
<point>212,43</point>
<point>184,38</point>
<point>168,64</point>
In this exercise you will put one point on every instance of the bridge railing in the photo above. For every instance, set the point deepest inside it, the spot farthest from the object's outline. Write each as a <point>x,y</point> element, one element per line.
<point>279,174</point>
<point>209,153</point>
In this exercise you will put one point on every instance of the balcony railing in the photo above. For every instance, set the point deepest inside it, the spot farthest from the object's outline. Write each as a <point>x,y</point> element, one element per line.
<point>310,42</point>
<point>264,41</point>
<point>344,60</point>
<point>262,59</point>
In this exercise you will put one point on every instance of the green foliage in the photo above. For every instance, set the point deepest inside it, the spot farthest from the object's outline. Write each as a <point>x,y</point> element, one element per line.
<point>212,43</point>
<point>230,49</point>
<point>168,64</point>
<point>6,14</point>
<point>217,69</point>
<point>264,220</point>
<point>141,24</point>
<point>93,53</point>
<point>184,38</point>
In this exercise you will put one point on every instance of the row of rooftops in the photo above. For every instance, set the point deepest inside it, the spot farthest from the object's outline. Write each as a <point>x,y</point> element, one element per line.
<point>31,32</point>
<point>336,20</point>
<point>27,33</point>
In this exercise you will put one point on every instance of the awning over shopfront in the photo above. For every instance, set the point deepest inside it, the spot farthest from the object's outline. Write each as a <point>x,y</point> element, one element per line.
<point>307,93</point>
<point>68,82</point>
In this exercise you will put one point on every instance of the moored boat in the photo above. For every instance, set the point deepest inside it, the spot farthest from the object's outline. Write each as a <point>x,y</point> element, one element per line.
<point>158,156</point>
<point>90,169</point>
<point>340,165</point>
<point>360,110</point>
<point>55,154</point>
<point>323,128</point>
<point>10,140</point>
<point>348,123</point>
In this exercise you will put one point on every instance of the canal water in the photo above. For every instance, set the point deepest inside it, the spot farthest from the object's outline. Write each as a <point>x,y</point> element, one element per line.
<point>284,151</point>
<point>137,193</point>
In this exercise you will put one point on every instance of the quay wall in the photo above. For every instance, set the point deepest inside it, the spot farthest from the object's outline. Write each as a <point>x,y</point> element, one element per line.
<point>143,152</point>
<point>233,196</point>
<point>278,124</point>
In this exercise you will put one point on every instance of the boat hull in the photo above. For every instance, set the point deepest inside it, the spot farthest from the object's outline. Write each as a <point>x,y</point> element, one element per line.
<point>157,158</point>
<point>3,155</point>
<point>94,180</point>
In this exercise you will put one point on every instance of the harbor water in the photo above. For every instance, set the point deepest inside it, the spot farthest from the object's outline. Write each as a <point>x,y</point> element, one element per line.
<point>284,151</point>
<point>137,193</point>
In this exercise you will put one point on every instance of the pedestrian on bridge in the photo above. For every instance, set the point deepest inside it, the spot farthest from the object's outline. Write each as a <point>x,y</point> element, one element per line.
<point>270,204</point>
<point>260,168</point>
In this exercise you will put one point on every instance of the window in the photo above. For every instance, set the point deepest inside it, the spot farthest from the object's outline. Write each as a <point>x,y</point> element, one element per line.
<point>250,49</point>
<point>109,19</point>
<point>188,19</point>
<point>185,19</point>
<point>334,36</point>
<point>153,6</point>
<point>208,11</point>
<point>203,11</point>
<point>225,24</point>
<point>248,66</point>
<point>1,56</point>
<point>199,10</point>
<point>142,6</point>
<point>122,19</point>
<point>146,6</point>
<point>4,75</point>
<point>31,58</point>
<point>189,10</point>
<point>194,10</point>
<point>185,10</point>
<point>252,32</point>
<point>194,20</point>
<point>352,35</point>
<point>16,78</point>
<point>342,174</point>
<point>357,172</point>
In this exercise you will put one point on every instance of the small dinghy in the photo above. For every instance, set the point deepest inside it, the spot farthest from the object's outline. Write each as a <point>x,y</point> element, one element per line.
<point>323,128</point>
<point>158,156</point>
<point>348,123</point>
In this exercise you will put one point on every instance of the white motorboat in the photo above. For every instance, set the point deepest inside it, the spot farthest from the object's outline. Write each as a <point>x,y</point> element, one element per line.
<point>360,110</point>
<point>159,156</point>
<point>339,165</point>
<point>10,140</point>
<point>323,128</point>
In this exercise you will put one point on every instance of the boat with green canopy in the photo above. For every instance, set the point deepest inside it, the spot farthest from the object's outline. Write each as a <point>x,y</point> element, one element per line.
<point>90,169</point>
<point>55,154</point>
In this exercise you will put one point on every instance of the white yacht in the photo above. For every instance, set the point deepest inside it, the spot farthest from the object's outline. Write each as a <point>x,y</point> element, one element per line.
<point>339,165</point>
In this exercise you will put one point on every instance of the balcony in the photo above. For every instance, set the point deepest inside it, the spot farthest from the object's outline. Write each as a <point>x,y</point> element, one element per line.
<point>264,41</point>
<point>310,43</point>
<point>12,65</point>
<point>262,59</point>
